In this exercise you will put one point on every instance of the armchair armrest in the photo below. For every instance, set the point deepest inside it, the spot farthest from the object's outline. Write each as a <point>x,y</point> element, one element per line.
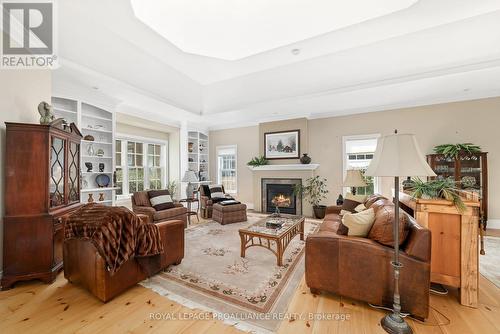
<point>172,237</point>
<point>145,210</point>
<point>333,209</point>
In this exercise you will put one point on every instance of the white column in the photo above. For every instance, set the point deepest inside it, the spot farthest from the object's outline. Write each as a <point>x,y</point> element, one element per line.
<point>183,138</point>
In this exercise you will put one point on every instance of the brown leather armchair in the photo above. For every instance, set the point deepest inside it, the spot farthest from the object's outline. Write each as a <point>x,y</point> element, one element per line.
<point>141,205</point>
<point>84,265</point>
<point>359,268</point>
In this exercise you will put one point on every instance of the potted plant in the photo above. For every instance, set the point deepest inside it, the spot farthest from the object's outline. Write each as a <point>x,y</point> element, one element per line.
<point>314,191</point>
<point>435,189</point>
<point>454,150</point>
<point>172,188</point>
<point>258,161</point>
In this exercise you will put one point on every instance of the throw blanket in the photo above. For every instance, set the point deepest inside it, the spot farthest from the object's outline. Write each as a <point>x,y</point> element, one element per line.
<point>116,232</point>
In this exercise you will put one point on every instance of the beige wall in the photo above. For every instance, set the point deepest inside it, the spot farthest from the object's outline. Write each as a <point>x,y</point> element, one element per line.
<point>20,93</point>
<point>472,121</point>
<point>246,140</point>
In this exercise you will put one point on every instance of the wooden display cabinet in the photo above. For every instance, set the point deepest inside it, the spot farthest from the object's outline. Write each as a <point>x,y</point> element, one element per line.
<point>42,184</point>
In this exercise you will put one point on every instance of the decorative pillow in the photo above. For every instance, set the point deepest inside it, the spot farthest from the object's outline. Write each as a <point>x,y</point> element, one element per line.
<point>343,212</point>
<point>350,205</point>
<point>360,208</point>
<point>359,224</point>
<point>216,191</point>
<point>342,230</point>
<point>380,204</point>
<point>206,190</point>
<point>160,199</point>
<point>357,198</point>
<point>381,230</point>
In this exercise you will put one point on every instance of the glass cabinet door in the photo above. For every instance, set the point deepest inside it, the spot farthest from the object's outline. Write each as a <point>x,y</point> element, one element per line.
<point>74,175</point>
<point>57,163</point>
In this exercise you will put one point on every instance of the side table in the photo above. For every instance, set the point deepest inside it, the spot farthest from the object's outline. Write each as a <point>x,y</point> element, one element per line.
<point>190,212</point>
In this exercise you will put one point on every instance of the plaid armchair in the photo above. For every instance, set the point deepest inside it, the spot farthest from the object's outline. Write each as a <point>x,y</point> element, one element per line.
<point>141,205</point>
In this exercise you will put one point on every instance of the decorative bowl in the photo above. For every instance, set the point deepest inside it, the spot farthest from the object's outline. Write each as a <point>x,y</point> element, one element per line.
<point>102,180</point>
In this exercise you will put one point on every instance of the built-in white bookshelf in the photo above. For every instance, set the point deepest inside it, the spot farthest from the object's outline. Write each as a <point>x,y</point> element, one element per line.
<point>97,148</point>
<point>198,155</point>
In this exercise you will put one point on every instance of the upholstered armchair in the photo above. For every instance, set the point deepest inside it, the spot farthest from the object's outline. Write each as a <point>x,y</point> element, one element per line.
<point>206,202</point>
<point>142,205</point>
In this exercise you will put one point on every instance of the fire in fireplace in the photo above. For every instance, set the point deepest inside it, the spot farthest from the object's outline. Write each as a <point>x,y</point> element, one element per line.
<point>279,193</point>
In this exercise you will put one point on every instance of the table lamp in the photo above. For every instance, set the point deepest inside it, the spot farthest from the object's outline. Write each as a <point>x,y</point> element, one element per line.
<point>354,179</point>
<point>189,177</point>
<point>397,155</point>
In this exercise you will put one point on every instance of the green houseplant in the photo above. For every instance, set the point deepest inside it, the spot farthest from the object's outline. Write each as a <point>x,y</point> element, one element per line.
<point>315,191</point>
<point>446,189</point>
<point>172,188</point>
<point>258,161</point>
<point>453,150</point>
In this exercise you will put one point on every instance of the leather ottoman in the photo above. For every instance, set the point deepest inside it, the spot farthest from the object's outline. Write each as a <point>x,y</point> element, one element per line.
<point>228,214</point>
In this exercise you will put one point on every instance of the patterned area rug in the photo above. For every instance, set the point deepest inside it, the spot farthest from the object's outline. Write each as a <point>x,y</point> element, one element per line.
<point>489,264</point>
<point>214,277</point>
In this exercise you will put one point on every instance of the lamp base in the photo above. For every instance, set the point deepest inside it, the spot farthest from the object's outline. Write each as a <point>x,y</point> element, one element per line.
<point>189,190</point>
<point>394,324</point>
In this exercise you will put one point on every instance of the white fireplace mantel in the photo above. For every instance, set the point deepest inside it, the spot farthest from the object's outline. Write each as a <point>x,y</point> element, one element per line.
<point>290,167</point>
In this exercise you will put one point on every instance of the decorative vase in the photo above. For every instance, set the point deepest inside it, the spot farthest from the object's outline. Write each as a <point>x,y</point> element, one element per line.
<point>90,149</point>
<point>190,147</point>
<point>101,197</point>
<point>101,167</point>
<point>91,198</point>
<point>340,200</point>
<point>305,159</point>
<point>100,152</point>
<point>89,166</point>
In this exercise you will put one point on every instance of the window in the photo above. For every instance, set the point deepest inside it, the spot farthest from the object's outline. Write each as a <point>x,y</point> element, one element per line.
<point>140,165</point>
<point>154,157</point>
<point>226,168</point>
<point>358,153</point>
<point>119,167</point>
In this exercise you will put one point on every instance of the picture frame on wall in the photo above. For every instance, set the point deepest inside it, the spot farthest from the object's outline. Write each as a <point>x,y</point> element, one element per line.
<point>282,145</point>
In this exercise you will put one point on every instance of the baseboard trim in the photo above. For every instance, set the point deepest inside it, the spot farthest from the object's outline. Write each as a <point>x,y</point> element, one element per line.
<point>250,206</point>
<point>493,224</point>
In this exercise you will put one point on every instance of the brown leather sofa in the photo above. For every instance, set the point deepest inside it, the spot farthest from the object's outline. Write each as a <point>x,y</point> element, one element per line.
<point>359,268</point>
<point>83,264</point>
<point>141,205</point>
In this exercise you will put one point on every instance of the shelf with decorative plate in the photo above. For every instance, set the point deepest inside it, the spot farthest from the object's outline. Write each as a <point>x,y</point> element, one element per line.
<point>96,142</point>
<point>91,190</point>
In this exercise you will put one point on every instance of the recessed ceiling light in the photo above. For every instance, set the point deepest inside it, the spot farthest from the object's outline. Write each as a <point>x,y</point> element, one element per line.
<point>95,87</point>
<point>466,89</point>
<point>295,51</point>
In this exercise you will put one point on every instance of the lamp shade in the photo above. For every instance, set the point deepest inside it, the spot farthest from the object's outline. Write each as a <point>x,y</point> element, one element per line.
<point>354,178</point>
<point>190,176</point>
<point>399,155</point>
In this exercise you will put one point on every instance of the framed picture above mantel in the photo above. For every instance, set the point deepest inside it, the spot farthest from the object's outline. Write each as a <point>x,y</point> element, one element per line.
<point>282,145</point>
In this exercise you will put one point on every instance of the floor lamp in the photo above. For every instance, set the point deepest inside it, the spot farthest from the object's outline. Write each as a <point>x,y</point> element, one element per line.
<point>397,155</point>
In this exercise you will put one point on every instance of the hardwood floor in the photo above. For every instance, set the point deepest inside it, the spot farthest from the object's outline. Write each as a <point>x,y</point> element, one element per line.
<point>64,308</point>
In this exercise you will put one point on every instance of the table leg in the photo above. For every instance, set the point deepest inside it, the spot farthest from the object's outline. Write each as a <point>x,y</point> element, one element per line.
<point>280,253</point>
<point>242,249</point>
<point>302,230</point>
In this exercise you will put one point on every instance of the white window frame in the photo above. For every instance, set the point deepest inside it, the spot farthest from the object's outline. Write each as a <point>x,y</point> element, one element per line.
<point>124,138</point>
<point>219,181</point>
<point>345,139</point>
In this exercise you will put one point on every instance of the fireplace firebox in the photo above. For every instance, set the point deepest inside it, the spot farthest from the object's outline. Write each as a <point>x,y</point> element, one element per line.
<point>279,193</point>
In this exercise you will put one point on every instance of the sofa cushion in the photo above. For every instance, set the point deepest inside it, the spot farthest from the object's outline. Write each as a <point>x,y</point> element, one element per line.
<point>360,208</point>
<point>372,199</point>
<point>160,199</point>
<point>381,230</point>
<point>141,198</point>
<point>359,224</point>
<point>169,214</point>
<point>381,203</point>
<point>350,205</point>
<point>330,225</point>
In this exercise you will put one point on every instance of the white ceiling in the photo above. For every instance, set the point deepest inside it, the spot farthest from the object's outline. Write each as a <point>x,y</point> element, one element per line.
<point>428,53</point>
<point>237,29</point>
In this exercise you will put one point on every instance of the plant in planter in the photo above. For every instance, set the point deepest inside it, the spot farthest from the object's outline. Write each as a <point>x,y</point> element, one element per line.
<point>258,161</point>
<point>437,189</point>
<point>172,188</point>
<point>315,191</point>
<point>453,150</point>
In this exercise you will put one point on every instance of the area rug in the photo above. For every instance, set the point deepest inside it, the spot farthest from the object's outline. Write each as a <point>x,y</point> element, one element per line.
<point>213,276</point>
<point>489,264</point>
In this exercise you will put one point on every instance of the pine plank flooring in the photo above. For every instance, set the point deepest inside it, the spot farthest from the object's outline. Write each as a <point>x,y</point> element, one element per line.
<point>34,307</point>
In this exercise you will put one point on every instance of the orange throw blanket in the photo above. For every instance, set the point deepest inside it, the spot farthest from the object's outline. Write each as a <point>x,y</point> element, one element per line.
<point>116,232</point>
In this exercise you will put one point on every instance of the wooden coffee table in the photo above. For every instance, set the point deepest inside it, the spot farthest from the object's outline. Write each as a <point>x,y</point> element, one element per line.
<point>274,239</point>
